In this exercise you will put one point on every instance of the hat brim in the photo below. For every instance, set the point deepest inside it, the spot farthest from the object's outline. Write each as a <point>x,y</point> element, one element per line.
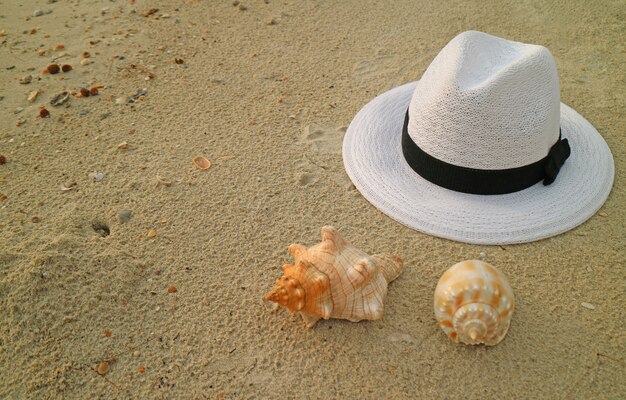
<point>373,159</point>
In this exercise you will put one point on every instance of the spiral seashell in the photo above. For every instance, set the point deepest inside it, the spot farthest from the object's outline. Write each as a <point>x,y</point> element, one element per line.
<point>334,279</point>
<point>474,303</point>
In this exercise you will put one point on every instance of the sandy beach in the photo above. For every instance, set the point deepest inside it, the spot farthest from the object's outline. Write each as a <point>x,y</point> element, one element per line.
<point>127,272</point>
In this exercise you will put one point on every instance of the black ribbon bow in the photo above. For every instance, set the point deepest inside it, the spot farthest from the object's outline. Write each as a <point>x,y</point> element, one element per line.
<point>557,155</point>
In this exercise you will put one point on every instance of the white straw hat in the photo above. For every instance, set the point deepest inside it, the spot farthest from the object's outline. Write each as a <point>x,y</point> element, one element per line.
<point>471,151</point>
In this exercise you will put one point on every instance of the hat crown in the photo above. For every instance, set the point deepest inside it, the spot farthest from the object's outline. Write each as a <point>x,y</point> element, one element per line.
<point>487,103</point>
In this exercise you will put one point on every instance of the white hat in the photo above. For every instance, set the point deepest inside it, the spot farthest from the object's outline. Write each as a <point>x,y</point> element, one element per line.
<point>471,151</point>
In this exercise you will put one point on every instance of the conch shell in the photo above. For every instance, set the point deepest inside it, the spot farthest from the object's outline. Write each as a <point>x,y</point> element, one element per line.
<point>334,279</point>
<point>474,303</point>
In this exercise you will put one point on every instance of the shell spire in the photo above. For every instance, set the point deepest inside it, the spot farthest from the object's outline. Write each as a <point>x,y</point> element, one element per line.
<point>474,303</point>
<point>334,279</point>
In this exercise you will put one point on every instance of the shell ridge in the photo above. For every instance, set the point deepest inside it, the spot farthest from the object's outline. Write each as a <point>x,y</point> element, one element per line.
<point>390,266</point>
<point>326,314</point>
<point>298,251</point>
<point>346,289</point>
<point>376,303</point>
<point>318,305</point>
<point>332,240</point>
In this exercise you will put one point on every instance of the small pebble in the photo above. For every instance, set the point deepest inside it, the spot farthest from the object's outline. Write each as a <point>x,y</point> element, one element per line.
<point>98,176</point>
<point>603,214</point>
<point>124,216</point>
<point>67,186</point>
<point>103,368</point>
<point>60,98</point>
<point>399,337</point>
<point>93,91</point>
<point>32,96</point>
<point>3,197</point>
<point>53,68</point>
<point>201,163</point>
<point>151,233</point>
<point>588,306</point>
<point>86,54</point>
<point>137,96</point>
<point>66,68</point>
<point>43,113</point>
<point>172,289</point>
<point>482,254</point>
<point>84,112</point>
<point>3,159</point>
<point>85,61</point>
<point>151,11</point>
<point>271,21</point>
<point>84,92</point>
<point>37,13</point>
<point>35,220</point>
<point>26,79</point>
<point>162,182</point>
<point>122,146</point>
<point>242,7</point>
<point>136,353</point>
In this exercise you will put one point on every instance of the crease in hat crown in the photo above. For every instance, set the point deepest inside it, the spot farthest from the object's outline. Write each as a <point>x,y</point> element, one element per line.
<point>487,103</point>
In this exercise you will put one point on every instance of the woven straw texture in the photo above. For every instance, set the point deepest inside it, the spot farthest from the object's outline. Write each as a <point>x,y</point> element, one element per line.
<point>487,103</point>
<point>373,157</point>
